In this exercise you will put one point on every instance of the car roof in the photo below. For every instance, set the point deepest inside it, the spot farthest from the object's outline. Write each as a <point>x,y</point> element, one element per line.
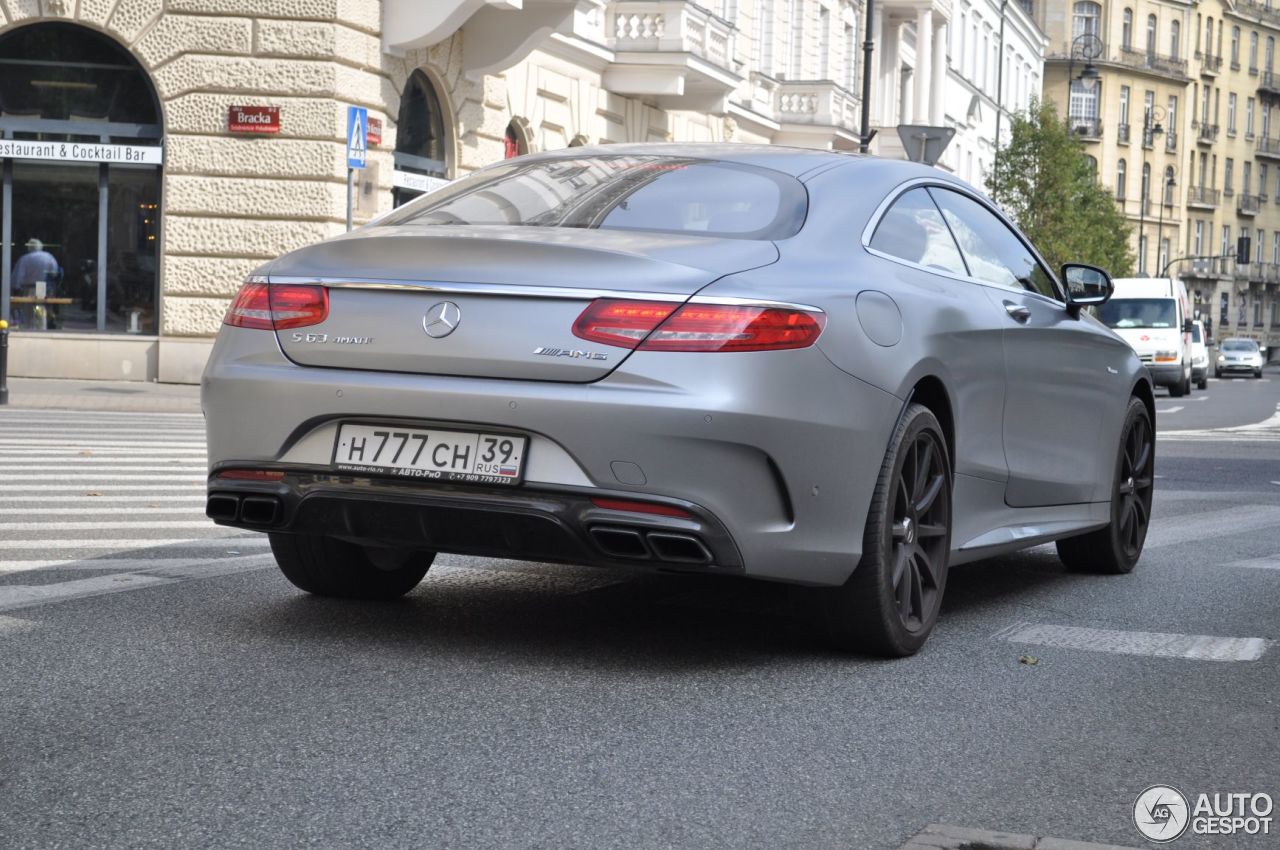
<point>789,160</point>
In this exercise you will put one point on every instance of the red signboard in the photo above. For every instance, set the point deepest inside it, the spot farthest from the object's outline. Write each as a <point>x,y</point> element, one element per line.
<point>374,134</point>
<point>253,119</point>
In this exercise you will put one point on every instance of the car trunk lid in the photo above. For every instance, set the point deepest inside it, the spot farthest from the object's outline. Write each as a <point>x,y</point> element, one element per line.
<point>497,302</point>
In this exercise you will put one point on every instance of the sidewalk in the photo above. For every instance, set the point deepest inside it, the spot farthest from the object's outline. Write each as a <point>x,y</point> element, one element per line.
<point>138,396</point>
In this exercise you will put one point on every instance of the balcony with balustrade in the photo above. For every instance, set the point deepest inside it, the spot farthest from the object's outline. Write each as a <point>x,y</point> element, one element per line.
<point>816,112</point>
<point>1151,61</point>
<point>1087,129</point>
<point>1247,205</point>
<point>1203,197</point>
<point>1267,148</point>
<point>1269,84</point>
<point>1206,134</point>
<point>1210,66</point>
<point>672,50</point>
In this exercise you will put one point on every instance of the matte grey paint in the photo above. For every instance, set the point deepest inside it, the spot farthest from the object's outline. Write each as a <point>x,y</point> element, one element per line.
<point>782,447</point>
<point>880,318</point>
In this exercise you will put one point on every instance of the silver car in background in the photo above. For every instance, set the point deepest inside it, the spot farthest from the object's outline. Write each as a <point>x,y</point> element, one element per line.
<point>1236,356</point>
<point>834,371</point>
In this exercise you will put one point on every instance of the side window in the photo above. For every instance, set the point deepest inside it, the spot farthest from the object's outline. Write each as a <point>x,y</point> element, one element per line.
<point>913,230</point>
<point>994,253</point>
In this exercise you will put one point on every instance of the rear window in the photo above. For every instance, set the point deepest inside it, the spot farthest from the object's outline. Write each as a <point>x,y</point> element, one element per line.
<point>1240,345</point>
<point>1195,333</point>
<point>647,193</point>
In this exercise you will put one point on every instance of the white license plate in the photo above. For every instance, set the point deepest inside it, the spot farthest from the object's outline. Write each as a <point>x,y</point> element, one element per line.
<point>430,454</point>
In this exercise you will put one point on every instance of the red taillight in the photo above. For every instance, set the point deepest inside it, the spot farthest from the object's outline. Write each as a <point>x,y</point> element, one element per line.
<point>250,474</point>
<point>640,507</point>
<point>663,326</point>
<point>621,323</point>
<point>278,306</point>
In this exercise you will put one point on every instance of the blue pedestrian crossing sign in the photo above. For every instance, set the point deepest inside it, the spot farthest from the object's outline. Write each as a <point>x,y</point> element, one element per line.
<point>357,136</point>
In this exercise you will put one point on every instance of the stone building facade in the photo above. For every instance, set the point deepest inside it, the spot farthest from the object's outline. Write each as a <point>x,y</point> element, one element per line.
<point>1183,122</point>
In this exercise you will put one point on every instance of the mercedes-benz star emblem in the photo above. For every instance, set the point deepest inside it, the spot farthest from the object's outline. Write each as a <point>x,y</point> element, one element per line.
<point>441,320</point>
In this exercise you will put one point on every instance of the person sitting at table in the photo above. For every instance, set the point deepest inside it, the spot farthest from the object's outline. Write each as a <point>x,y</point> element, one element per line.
<point>32,267</point>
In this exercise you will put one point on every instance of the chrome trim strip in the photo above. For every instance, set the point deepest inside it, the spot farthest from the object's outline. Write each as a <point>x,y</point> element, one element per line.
<point>484,289</point>
<point>562,292</point>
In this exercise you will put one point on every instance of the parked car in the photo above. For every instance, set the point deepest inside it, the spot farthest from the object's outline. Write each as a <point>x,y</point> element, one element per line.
<point>1151,315</point>
<point>1199,355</point>
<point>1238,355</point>
<point>839,372</point>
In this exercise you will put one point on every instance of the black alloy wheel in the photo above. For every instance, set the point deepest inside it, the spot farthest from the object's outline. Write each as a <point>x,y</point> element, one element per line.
<point>1117,547</point>
<point>890,602</point>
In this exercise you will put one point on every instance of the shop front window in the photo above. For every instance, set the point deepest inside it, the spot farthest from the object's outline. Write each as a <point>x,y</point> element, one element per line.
<point>80,149</point>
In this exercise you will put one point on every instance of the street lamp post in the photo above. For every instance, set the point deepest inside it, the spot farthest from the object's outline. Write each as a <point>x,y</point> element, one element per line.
<point>1151,128</point>
<point>1169,183</point>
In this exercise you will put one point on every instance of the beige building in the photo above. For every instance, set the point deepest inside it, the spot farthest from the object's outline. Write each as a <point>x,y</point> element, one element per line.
<point>1177,104</point>
<point>154,152</point>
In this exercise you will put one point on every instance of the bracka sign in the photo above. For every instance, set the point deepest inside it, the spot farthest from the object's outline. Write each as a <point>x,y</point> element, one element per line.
<point>253,119</point>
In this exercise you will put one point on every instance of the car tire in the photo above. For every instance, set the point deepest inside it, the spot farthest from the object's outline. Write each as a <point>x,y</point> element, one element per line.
<point>1116,548</point>
<point>876,611</point>
<point>326,566</point>
<point>1257,373</point>
<point>1202,384</point>
<point>1217,373</point>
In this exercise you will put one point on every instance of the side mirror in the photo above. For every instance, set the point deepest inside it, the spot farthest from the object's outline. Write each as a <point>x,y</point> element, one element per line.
<point>1187,327</point>
<point>1087,286</point>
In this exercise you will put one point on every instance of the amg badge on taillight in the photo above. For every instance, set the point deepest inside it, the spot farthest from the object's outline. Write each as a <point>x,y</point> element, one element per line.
<point>267,306</point>
<point>664,326</point>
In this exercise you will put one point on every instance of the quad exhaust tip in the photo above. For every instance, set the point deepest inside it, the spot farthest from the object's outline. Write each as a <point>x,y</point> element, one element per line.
<point>249,510</point>
<point>634,544</point>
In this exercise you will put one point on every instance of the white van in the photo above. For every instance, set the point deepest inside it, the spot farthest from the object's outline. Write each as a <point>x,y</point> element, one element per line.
<point>1152,315</point>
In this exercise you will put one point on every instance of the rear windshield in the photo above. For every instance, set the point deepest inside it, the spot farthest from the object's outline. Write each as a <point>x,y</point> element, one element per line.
<point>1239,345</point>
<point>1138,313</point>
<point>1195,333</point>
<point>650,193</point>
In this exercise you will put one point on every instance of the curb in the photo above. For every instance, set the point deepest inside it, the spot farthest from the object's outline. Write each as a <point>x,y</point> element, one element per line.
<point>941,836</point>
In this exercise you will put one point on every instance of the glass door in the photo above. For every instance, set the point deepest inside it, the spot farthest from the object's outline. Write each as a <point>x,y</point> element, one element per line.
<point>52,223</point>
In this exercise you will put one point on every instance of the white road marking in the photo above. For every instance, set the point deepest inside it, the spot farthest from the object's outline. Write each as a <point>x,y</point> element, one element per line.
<point>1268,563</point>
<point>136,544</point>
<point>1169,409</point>
<point>13,625</point>
<point>109,525</point>
<point>131,565</point>
<point>1158,644</point>
<point>107,501</point>
<point>188,508</point>
<point>103,488</point>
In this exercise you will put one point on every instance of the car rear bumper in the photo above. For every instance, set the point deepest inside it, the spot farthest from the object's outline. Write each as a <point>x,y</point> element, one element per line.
<point>777,473</point>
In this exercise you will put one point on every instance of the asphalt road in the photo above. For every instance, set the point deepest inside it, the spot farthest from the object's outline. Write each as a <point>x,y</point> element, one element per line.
<point>162,686</point>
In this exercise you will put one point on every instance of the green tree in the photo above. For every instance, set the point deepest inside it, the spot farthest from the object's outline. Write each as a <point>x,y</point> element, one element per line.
<point>1044,181</point>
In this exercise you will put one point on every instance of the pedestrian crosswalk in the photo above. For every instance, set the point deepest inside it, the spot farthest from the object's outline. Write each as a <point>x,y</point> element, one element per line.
<point>94,502</point>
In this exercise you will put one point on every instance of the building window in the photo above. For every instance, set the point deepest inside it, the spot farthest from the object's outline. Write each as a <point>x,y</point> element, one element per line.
<point>1224,309</point>
<point>1231,114</point>
<point>1198,246</point>
<point>1175,34</point>
<point>80,236</point>
<point>1121,179</point>
<point>513,143</point>
<point>1253,52</point>
<point>1151,35</point>
<point>1228,176</point>
<point>1167,193</point>
<point>1226,241</point>
<point>1248,117</point>
<point>1275,247</point>
<point>1087,19</point>
<point>1126,29</point>
<point>1235,47</point>
<point>1271,52</point>
<point>1146,181</point>
<point>422,148</point>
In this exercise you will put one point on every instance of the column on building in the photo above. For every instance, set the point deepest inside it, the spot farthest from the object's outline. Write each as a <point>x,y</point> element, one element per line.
<point>938,85</point>
<point>923,72</point>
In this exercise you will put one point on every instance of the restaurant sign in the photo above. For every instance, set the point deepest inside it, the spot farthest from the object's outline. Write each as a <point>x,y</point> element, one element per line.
<point>82,152</point>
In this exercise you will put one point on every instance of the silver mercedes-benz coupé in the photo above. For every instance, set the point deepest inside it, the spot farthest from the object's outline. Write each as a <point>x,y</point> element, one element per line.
<point>835,371</point>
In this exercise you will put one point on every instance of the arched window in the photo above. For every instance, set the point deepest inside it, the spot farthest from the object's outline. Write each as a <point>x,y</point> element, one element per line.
<point>1120,180</point>
<point>1271,52</point>
<point>1126,29</point>
<point>1146,181</point>
<point>1235,47</point>
<point>422,140</point>
<point>1151,35</point>
<point>1253,52</point>
<point>1175,33</point>
<point>513,143</point>
<point>83,226</point>
<point>1093,165</point>
<point>1208,37</point>
<point>1087,19</point>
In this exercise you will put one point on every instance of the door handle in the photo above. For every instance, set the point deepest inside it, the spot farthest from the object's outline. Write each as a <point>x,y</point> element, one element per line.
<point>1017,311</point>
